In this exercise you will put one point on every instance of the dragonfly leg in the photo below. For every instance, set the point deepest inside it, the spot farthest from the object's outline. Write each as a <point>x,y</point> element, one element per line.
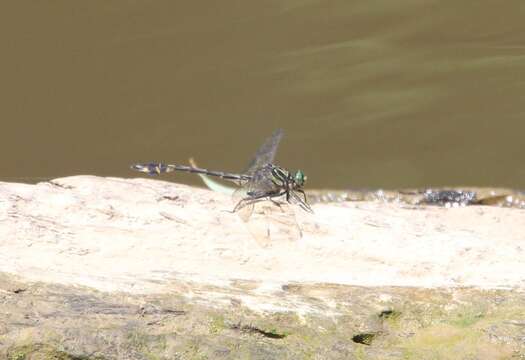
<point>256,197</point>
<point>303,204</point>
<point>304,195</point>
<point>245,202</point>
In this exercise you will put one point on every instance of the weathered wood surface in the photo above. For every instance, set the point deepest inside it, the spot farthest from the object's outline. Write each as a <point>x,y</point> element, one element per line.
<point>114,246</point>
<point>137,235</point>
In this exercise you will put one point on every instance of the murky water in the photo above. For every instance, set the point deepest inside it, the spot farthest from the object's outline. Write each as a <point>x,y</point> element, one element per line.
<point>370,93</point>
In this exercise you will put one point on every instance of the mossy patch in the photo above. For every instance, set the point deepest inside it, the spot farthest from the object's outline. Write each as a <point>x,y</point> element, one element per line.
<point>151,346</point>
<point>450,342</point>
<point>358,323</point>
<point>44,352</point>
<point>217,324</point>
<point>467,316</point>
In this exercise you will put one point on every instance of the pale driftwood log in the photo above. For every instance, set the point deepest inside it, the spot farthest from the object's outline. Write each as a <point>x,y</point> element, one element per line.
<point>115,246</point>
<point>137,235</point>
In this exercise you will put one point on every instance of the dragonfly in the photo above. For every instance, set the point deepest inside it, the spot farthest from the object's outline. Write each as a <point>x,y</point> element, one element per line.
<point>261,181</point>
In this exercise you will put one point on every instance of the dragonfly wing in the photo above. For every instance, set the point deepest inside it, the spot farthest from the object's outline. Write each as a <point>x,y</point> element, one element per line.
<point>262,181</point>
<point>266,153</point>
<point>257,189</point>
<point>273,223</point>
<point>242,204</point>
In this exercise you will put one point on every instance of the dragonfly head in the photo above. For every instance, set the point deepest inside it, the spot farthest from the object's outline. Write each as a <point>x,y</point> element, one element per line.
<point>299,178</point>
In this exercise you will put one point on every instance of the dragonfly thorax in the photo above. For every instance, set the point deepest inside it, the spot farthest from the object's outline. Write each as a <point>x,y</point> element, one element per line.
<point>287,179</point>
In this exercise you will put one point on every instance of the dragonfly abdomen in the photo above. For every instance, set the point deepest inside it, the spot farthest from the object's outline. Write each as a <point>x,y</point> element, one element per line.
<point>221,174</point>
<point>159,168</point>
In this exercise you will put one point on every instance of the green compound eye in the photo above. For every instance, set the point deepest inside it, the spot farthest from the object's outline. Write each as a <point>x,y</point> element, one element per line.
<point>300,178</point>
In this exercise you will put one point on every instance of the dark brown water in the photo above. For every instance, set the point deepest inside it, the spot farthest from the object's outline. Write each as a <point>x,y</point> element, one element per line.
<point>374,93</point>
